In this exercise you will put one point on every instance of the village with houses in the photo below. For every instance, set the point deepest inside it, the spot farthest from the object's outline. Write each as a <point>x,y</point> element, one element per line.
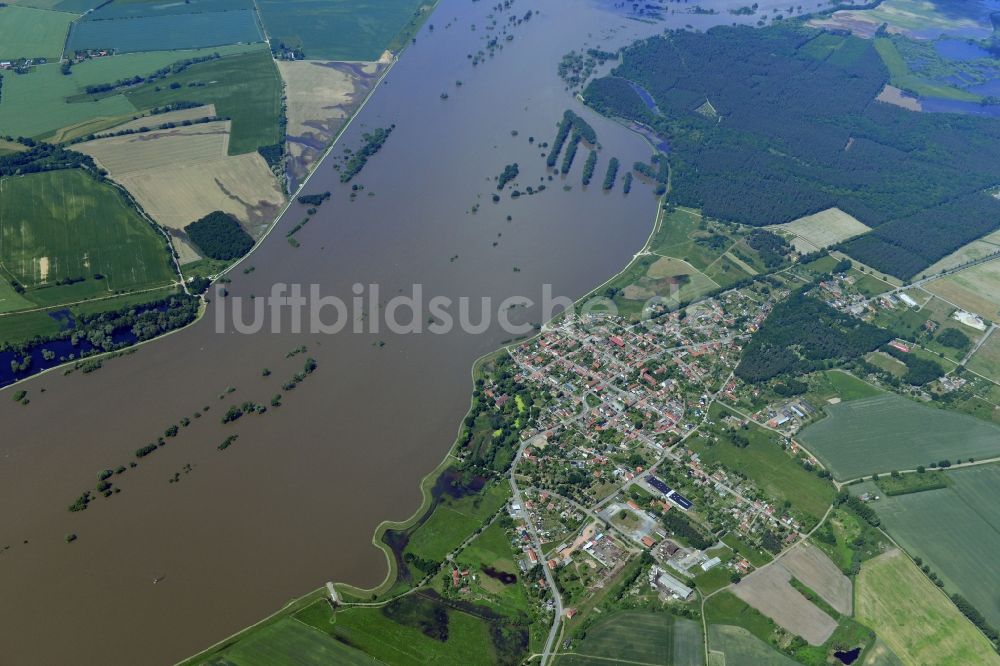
<point>607,473</point>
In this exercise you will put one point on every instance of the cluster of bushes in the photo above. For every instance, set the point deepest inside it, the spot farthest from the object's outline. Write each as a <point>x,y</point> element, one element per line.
<point>273,154</point>
<point>680,526</point>
<point>772,248</point>
<point>313,199</point>
<point>508,174</point>
<point>919,371</point>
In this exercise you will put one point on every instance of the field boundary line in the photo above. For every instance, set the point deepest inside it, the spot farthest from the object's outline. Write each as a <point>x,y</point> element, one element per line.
<point>616,660</point>
<point>88,300</point>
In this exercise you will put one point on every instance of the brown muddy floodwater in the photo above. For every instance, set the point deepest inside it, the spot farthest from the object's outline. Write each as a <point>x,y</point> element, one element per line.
<point>295,500</point>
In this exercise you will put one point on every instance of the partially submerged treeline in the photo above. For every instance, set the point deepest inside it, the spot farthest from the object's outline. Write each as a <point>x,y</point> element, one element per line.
<point>581,131</point>
<point>355,161</point>
<point>508,174</point>
<point>787,148</point>
<point>612,174</point>
<point>106,478</point>
<point>576,130</point>
<point>313,201</point>
<point>588,167</point>
<point>95,334</point>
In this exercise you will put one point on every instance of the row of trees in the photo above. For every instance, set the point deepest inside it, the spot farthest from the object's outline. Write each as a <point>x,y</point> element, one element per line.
<point>161,73</point>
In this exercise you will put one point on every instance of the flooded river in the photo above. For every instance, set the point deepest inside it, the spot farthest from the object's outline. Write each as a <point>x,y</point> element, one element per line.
<point>231,535</point>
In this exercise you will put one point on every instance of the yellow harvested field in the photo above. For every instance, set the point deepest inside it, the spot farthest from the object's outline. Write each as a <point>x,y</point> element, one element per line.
<point>977,249</point>
<point>320,96</point>
<point>896,97</point>
<point>322,93</point>
<point>975,289</point>
<point>196,144</point>
<point>822,229</point>
<point>179,116</point>
<point>176,196</point>
<point>915,619</point>
<point>182,174</point>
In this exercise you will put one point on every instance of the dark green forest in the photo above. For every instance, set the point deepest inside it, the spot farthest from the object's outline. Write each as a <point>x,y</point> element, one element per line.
<point>219,236</point>
<point>802,335</point>
<point>796,130</point>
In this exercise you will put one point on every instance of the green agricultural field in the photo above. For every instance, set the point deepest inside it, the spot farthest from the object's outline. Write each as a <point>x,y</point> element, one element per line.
<point>986,361</point>
<point>22,327</point>
<point>884,361</point>
<point>32,33</point>
<point>955,530</point>
<point>833,384</point>
<point>715,579</point>
<point>453,521</point>
<point>728,609</point>
<point>342,29</point>
<point>881,655</point>
<point>10,300</point>
<point>767,465</point>
<point>292,643</point>
<point>71,6</point>
<point>35,104</point>
<point>868,284</point>
<point>685,234</point>
<point>64,224</point>
<point>468,640</point>
<point>890,432</point>
<point>741,648</point>
<point>246,88</point>
<point>166,32</point>
<point>640,637</point>
<point>914,618</point>
<point>146,8</point>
